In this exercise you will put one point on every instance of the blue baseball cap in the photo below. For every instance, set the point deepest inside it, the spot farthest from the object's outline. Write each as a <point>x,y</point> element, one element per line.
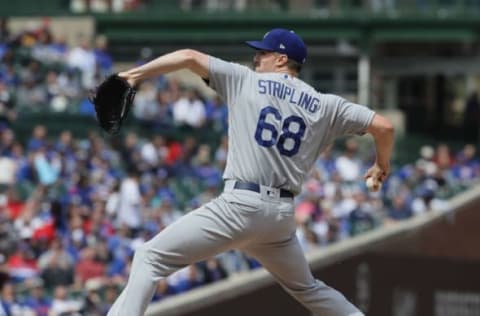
<point>284,42</point>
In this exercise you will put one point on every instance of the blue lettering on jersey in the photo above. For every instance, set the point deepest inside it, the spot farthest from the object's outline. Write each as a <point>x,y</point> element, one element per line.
<point>262,89</point>
<point>284,92</point>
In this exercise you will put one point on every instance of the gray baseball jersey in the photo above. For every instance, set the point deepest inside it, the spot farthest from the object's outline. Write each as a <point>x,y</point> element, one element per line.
<point>278,124</point>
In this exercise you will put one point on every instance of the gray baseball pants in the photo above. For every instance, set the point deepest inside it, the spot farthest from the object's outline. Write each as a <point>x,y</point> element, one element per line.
<point>261,224</point>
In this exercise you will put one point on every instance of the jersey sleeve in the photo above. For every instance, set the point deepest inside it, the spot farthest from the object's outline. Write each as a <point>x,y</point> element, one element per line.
<point>347,118</point>
<point>226,78</point>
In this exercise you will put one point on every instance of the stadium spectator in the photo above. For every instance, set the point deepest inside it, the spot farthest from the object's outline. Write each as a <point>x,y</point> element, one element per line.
<point>88,267</point>
<point>233,261</point>
<point>8,112</point>
<point>443,157</point>
<point>82,58</point>
<point>216,114</point>
<point>46,169</point>
<point>38,138</point>
<point>362,218</point>
<point>164,289</point>
<point>10,304</point>
<point>56,265</point>
<point>110,294</point>
<point>8,236</point>
<point>93,304</point>
<point>27,223</point>
<point>164,119</point>
<point>168,213</point>
<point>401,208</point>
<point>184,279</point>
<point>212,270</point>
<point>348,165</point>
<point>189,109</point>
<point>130,151</point>
<point>22,264</point>
<point>103,6</point>
<point>102,57</point>
<point>146,108</point>
<point>32,95</point>
<point>62,304</point>
<point>467,166</point>
<point>32,74</point>
<point>304,219</point>
<point>8,163</point>
<point>37,299</point>
<point>129,211</point>
<point>46,49</point>
<point>154,151</point>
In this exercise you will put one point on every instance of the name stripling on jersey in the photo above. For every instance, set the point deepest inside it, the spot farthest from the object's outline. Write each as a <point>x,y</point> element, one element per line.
<point>287,93</point>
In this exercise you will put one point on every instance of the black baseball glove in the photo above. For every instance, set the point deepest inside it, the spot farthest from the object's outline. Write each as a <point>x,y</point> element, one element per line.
<point>113,99</point>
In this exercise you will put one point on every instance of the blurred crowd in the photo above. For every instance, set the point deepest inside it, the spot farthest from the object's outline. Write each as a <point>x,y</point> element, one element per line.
<point>41,72</point>
<point>163,104</point>
<point>104,6</point>
<point>72,211</point>
<point>334,203</point>
<point>325,7</point>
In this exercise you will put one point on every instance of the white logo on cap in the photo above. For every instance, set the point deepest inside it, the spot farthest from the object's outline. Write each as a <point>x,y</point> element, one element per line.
<point>266,34</point>
<point>282,46</point>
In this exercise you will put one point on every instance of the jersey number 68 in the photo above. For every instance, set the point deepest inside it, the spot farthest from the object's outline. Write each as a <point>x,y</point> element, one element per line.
<point>289,141</point>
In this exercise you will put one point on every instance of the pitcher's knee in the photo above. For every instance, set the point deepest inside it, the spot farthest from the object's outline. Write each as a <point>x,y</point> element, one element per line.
<point>303,290</point>
<point>154,259</point>
<point>140,255</point>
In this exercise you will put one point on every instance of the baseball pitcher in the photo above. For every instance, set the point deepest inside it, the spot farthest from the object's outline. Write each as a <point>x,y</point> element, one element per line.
<point>278,125</point>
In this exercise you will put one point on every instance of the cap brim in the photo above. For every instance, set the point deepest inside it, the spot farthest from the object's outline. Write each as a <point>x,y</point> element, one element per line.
<point>259,45</point>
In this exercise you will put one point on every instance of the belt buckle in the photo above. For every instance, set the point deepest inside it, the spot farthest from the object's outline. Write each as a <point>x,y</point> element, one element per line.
<point>270,193</point>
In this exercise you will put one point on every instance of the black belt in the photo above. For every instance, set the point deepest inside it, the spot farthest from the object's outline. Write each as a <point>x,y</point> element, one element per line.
<point>256,188</point>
